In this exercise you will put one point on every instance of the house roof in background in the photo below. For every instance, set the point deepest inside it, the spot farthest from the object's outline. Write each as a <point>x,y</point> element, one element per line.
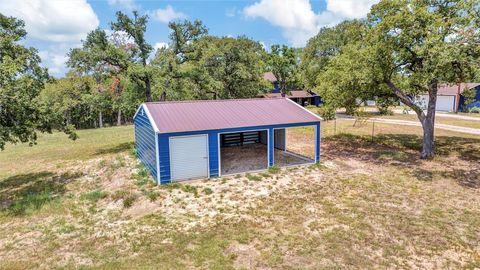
<point>269,77</point>
<point>293,94</point>
<point>452,89</point>
<point>223,114</point>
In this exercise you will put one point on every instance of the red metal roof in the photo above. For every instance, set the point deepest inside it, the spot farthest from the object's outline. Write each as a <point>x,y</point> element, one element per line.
<point>452,89</point>
<point>221,114</point>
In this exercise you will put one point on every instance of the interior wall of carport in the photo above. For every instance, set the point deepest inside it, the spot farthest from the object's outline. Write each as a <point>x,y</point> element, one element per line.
<point>214,146</point>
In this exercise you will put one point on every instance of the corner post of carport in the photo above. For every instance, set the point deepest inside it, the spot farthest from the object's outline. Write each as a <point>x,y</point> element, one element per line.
<point>271,153</point>
<point>317,142</point>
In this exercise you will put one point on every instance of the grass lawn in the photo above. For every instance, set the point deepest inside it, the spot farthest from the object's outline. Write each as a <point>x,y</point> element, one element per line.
<point>371,203</point>
<point>411,117</point>
<point>439,120</point>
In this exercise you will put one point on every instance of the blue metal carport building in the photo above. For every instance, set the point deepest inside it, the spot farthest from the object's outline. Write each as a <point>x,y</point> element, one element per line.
<point>181,140</point>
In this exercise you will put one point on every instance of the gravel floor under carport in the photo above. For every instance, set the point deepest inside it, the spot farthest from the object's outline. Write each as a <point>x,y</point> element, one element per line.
<point>253,157</point>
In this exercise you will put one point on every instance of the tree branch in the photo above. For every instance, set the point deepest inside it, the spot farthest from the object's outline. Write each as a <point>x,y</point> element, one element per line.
<point>406,100</point>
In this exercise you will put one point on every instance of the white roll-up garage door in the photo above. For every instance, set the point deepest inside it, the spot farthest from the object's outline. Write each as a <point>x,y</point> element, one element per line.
<point>188,157</point>
<point>445,103</point>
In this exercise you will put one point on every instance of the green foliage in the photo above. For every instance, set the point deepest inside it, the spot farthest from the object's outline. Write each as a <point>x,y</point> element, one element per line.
<point>326,112</point>
<point>21,80</point>
<point>469,95</point>
<point>283,62</point>
<point>328,43</point>
<point>138,70</point>
<point>208,67</point>
<point>474,110</point>
<point>384,103</point>
<point>408,48</point>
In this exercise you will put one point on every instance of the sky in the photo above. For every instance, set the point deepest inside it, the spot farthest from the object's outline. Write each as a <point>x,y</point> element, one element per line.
<point>55,26</point>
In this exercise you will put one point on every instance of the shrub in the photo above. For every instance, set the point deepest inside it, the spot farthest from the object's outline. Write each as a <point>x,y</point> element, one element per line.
<point>326,112</point>
<point>474,110</point>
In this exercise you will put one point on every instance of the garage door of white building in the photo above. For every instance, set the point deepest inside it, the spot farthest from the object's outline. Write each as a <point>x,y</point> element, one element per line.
<point>189,157</point>
<point>444,103</point>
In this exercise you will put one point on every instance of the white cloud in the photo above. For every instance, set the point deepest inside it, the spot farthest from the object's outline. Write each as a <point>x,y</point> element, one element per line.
<point>55,57</point>
<point>352,9</point>
<point>297,19</point>
<point>231,12</point>
<point>160,45</point>
<point>57,21</point>
<point>167,14</point>
<point>126,4</point>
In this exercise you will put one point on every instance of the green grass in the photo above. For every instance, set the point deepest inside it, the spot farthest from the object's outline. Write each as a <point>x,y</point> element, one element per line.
<point>95,195</point>
<point>56,149</point>
<point>274,169</point>
<point>253,177</point>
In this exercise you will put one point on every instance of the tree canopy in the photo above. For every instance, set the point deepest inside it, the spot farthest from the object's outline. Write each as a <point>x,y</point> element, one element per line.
<point>410,48</point>
<point>21,80</point>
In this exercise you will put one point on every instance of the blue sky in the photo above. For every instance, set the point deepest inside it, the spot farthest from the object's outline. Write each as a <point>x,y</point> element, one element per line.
<point>55,26</point>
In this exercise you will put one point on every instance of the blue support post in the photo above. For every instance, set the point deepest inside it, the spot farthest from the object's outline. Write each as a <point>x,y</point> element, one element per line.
<point>317,142</point>
<point>271,153</point>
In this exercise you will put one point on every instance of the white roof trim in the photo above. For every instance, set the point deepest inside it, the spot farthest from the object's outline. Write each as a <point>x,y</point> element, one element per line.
<point>319,118</point>
<point>154,125</point>
<point>150,118</point>
<point>136,112</point>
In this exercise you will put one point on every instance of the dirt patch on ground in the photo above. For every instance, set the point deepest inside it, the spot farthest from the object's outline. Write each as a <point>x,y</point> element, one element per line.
<point>253,157</point>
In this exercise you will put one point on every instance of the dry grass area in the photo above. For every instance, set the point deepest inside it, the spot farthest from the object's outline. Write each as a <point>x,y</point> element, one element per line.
<point>369,204</point>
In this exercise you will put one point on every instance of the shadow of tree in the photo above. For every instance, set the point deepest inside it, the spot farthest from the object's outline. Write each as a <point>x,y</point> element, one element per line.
<point>466,148</point>
<point>403,150</point>
<point>116,149</point>
<point>21,192</point>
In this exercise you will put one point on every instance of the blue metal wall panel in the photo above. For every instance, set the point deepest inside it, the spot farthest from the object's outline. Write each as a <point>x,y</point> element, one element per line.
<point>145,142</point>
<point>164,148</point>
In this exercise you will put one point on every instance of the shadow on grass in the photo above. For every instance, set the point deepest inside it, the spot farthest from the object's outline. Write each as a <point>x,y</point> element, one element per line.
<point>115,149</point>
<point>24,193</point>
<point>466,148</point>
<point>404,150</point>
<point>468,178</point>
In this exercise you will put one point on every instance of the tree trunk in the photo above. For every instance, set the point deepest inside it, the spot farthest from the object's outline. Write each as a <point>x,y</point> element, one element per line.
<point>119,117</point>
<point>163,96</point>
<point>428,123</point>
<point>148,90</point>
<point>100,119</point>
<point>428,120</point>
